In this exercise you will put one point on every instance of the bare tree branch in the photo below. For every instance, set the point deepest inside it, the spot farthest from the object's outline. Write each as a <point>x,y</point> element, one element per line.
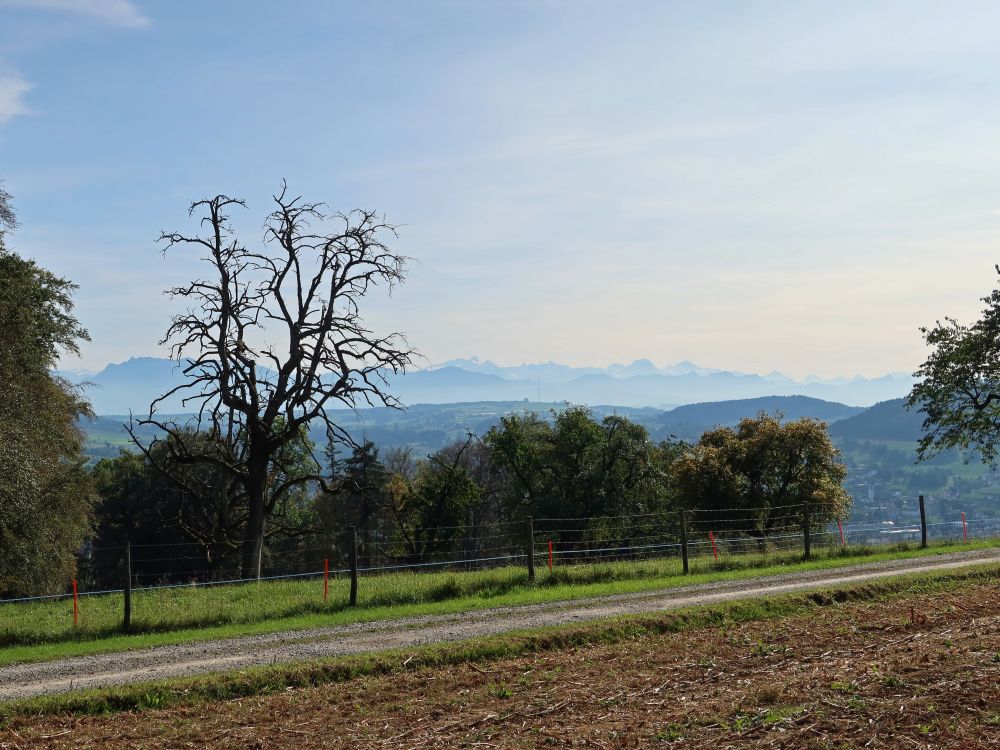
<point>304,287</point>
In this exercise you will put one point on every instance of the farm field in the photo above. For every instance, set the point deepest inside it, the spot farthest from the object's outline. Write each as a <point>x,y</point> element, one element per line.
<point>266,663</point>
<point>44,630</point>
<point>919,669</point>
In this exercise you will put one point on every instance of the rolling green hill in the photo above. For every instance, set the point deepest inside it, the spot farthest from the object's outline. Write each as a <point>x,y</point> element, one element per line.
<point>888,420</point>
<point>690,421</point>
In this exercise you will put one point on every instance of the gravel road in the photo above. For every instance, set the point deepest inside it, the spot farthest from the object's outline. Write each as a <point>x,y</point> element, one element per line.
<point>27,680</point>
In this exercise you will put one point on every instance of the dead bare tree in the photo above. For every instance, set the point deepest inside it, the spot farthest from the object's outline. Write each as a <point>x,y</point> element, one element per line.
<point>254,396</point>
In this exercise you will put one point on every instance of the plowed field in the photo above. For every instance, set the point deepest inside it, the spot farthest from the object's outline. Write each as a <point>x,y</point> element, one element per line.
<point>916,672</point>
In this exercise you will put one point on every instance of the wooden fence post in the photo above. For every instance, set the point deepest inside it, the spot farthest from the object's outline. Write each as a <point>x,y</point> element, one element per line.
<point>354,566</point>
<point>127,619</point>
<point>530,531</point>
<point>684,540</point>
<point>806,530</point>
<point>923,522</point>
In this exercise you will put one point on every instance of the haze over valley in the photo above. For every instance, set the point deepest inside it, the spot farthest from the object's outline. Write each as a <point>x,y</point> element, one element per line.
<point>130,386</point>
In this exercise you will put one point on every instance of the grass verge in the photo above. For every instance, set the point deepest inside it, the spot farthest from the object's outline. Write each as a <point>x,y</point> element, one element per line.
<point>39,632</point>
<point>273,679</point>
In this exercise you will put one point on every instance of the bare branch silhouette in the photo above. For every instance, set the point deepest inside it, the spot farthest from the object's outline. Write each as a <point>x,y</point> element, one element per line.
<point>304,287</point>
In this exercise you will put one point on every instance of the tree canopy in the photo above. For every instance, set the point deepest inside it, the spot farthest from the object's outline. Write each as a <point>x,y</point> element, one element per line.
<point>574,466</point>
<point>45,494</point>
<point>8,219</point>
<point>958,388</point>
<point>763,466</point>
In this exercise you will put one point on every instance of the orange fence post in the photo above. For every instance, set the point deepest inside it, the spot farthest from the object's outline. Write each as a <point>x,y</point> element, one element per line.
<point>840,526</point>
<point>965,529</point>
<point>715,551</point>
<point>550,555</point>
<point>326,578</point>
<point>76,606</point>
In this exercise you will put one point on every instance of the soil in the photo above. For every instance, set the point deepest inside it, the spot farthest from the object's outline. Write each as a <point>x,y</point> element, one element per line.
<point>27,680</point>
<point>920,672</point>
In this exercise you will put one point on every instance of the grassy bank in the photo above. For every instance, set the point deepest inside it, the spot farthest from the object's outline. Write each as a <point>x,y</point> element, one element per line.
<point>44,630</point>
<point>275,679</point>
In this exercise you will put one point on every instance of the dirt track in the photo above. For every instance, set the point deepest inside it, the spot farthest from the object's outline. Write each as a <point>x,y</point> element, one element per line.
<point>920,671</point>
<point>22,681</point>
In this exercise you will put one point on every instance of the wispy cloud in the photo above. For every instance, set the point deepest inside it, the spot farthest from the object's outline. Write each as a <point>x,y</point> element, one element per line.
<point>113,12</point>
<point>117,13</point>
<point>12,94</point>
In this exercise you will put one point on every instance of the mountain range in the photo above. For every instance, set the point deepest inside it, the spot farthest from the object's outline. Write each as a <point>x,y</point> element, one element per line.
<point>130,386</point>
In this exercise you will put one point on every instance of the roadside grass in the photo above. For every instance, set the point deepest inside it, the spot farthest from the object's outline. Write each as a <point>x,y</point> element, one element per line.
<point>275,679</point>
<point>40,631</point>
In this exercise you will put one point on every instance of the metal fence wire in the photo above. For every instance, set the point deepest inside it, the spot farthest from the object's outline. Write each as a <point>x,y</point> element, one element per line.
<point>704,537</point>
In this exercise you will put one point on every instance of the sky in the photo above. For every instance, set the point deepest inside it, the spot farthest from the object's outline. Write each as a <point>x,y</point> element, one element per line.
<point>793,186</point>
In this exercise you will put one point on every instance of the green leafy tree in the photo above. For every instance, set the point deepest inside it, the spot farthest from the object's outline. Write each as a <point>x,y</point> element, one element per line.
<point>761,467</point>
<point>358,497</point>
<point>519,445</point>
<point>131,505</point>
<point>958,387</point>
<point>45,494</point>
<point>432,513</point>
<point>575,466</point>
<point>137,505</point>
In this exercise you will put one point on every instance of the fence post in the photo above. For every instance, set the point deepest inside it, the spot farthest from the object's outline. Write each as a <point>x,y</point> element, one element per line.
<point>354,566</point>
<point>260,552</point>
<point>530,530</point>
<point>684,540</point>
<point>923,523</point>
<point>127,619</point>
<point>806,530</point>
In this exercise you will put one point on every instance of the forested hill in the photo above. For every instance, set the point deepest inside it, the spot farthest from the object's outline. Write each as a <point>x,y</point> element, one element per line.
<point>888,420</point>
<point>691,420</point>
<point>428,427</point>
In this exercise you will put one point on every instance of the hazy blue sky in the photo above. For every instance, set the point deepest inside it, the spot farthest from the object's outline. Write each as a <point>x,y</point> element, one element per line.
<point>756,185</point>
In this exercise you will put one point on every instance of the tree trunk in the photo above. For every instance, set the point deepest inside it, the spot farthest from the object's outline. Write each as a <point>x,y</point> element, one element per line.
<point>253,540</point>
<point>253,543</point>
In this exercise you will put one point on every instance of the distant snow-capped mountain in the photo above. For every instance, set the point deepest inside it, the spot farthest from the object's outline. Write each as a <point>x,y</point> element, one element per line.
<point>133,384</point>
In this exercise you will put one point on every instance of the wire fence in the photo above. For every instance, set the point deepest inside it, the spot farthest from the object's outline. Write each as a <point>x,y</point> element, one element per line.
<point>703,538</point>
